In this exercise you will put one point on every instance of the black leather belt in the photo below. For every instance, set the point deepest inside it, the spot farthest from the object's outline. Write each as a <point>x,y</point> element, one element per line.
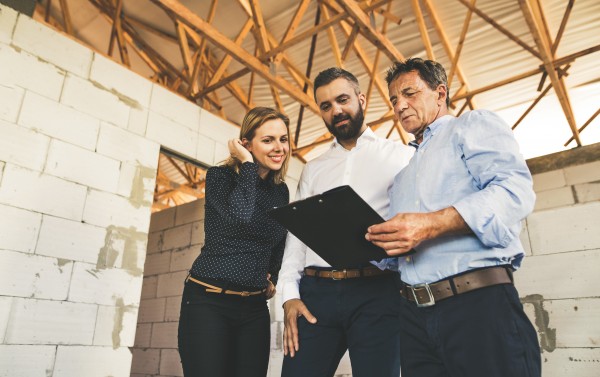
<point>428,294</point>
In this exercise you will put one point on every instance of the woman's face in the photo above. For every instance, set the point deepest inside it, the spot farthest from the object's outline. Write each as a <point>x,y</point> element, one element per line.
<point>270,146</point>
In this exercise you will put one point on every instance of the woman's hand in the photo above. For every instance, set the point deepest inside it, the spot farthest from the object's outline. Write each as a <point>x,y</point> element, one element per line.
<point>238,151</point>
<point>270,292</point>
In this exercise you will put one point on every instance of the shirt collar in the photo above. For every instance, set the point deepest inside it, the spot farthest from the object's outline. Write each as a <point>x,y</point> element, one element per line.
<point>367,136</point>
<point>432,129</point>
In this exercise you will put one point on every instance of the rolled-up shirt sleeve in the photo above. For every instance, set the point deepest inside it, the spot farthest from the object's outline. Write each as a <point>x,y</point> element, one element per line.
<point>505,193</point>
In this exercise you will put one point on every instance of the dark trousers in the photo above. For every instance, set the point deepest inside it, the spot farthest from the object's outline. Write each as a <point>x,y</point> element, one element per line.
<point>480,333</point>
<point>223,335</point>
<point>359,315</point>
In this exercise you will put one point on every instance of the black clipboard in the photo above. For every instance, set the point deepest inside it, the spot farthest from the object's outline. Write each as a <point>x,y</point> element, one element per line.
<point>333,225</point>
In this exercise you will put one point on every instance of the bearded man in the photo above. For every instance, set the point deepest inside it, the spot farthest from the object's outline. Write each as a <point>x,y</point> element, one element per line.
<point>328,312</point>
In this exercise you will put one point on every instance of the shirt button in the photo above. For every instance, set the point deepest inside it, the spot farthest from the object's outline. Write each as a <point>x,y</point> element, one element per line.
<point>417,202</point>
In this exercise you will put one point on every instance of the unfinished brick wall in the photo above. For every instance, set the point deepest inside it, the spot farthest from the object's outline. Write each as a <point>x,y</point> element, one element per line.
<point>175,238</point>
<point>79,143</point>
<point>559,280</point>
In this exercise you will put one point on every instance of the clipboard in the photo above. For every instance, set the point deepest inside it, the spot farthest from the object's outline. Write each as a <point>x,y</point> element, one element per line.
<point>333,225</point>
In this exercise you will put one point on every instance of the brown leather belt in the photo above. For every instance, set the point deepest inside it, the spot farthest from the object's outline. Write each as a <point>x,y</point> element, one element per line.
<point>428,294</point>
<point>215,289</point>
<point>346,273</point>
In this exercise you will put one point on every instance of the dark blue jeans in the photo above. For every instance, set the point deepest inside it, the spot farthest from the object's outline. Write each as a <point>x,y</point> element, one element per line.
<point>223,335</point>
<point>359,315</point>
<point>480,333</point>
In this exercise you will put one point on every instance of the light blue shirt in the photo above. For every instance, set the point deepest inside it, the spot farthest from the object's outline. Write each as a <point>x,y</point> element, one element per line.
<point>472,163</point>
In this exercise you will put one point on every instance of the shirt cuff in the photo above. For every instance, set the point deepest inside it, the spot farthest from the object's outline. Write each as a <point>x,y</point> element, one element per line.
<point>290,291</point>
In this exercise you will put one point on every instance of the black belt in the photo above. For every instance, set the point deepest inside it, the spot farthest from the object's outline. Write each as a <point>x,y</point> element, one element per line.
<point>428,294</point>
<point>346,273</point>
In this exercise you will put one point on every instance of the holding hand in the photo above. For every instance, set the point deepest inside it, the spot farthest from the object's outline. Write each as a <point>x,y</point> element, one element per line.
<point>401,233</point>
<point>270,292</point>
<point>238,151</point>
<point>404,231</point>
<point>293,309</point>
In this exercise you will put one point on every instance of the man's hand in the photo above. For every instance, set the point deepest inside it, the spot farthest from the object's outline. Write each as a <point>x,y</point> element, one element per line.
<point>404,231</point>
<point>293,309</point>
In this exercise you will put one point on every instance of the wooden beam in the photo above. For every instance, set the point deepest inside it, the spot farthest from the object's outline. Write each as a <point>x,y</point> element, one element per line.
<point>259,27</point>
<point>233,88</point>
<point>47,11</point>
<point>228,58</point>
<point>538,99</point>
<point>350,41</point>
<point>293,25</point>
<point>388,15</point>
<point>444,39</point>
<point>311,54</point>
<point>501,29</point>
<point>375,70</point>
<point>368,65</point>
<point>585,125</point>
<point>533,19</point>
<point>381,42</point>
<point>145,51</point>
<point>561,61</point>
<point>187,189</point>
<point>294,71</point>
<point>179,169</point>
<point>461,41</point>
<point>66,17</point>
<point>119,33</point>
<point>559,35</point>
<point>241,55</point>
<point>563,25</point>
<point>184,48</point>
<point>335,47</point>
<point>423,29</point>
<point>295,40</point>
<point>193,75</point>
<point>317,29</point>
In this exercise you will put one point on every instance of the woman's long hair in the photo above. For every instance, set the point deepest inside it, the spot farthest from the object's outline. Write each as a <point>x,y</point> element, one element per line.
<point>252,121</point>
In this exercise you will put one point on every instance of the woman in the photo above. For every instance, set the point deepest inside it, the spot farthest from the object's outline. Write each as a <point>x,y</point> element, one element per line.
<point>224,326</point>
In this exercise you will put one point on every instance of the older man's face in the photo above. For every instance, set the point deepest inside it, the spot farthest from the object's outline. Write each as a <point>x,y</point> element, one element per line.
<point>415,104</point>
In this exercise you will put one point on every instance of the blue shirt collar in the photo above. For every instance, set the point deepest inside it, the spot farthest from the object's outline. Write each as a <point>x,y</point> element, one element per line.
<point>432,129</point>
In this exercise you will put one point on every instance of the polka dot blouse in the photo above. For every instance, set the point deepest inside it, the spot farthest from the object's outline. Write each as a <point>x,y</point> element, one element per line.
<point>242,244</point>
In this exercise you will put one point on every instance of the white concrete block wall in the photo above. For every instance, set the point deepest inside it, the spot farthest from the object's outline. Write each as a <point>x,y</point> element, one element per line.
<point>79,142</point>
<point>66,123</point>
<point>73,100</point>
<point>52,46</point>
<point>172,247</point>
<point>559,277</point>
<point>21,68</point>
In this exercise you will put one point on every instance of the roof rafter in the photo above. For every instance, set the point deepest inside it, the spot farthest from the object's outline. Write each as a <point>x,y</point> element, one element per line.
<point>374,36</point>
<point>239,54</point>
<point>533,17</point>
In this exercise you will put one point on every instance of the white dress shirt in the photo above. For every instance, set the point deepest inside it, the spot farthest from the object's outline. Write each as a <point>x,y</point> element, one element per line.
<point>369,168</point>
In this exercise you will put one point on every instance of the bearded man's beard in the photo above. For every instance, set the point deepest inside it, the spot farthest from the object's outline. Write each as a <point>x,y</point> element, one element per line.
<point>349,130</point>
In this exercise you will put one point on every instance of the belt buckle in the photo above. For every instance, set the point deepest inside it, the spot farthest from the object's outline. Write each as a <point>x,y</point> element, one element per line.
<point>244,293</point>
<point>431,301</point>
<point>342,271</point>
